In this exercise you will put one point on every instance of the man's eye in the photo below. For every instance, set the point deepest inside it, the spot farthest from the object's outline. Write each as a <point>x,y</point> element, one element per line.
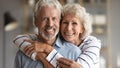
<point>44,19</point>
<point>53,18</point>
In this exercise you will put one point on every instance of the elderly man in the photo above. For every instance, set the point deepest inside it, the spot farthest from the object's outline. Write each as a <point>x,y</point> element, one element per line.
<point>47,15</point>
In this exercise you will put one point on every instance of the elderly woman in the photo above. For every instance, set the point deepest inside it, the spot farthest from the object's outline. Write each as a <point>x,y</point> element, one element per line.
<point>76,28</point>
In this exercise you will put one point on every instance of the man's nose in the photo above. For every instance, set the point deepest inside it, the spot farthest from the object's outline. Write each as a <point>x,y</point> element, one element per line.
<point>50,22</point>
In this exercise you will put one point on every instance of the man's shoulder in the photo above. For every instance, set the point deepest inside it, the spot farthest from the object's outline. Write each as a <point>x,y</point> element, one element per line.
<point>91,38</point>
<point>26,62</point>
<point>20,54</point>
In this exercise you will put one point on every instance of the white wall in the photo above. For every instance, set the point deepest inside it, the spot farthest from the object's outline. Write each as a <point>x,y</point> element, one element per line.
<point>7,50</point>
<point>16,8</point>
<point>114,23</point>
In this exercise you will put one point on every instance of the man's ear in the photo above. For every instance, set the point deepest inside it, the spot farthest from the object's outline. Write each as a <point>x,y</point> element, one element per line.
<point>35,22</point>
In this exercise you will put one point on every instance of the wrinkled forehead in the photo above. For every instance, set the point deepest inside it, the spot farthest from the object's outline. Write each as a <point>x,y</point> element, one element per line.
<point>47,10</point>
<point>72,15</point>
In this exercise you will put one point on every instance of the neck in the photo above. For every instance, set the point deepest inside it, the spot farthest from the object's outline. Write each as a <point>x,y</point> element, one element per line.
<point>78,42</point>
<point>50,42</point>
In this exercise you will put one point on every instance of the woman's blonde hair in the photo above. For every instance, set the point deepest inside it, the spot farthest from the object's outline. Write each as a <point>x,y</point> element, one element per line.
<point>81,13</point>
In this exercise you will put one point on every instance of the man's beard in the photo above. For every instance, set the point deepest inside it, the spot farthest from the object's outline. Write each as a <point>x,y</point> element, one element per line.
<point>47,36</point>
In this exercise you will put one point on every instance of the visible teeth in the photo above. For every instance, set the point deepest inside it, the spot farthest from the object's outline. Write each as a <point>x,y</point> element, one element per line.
<point>68,34</point>
<point>50,31</point>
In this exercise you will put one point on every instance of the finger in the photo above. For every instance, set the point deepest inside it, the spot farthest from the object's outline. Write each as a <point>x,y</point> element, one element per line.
<point>39,46</point>
<point>43,54</point>
<point>65,61</point>
<point>28,50</point>
<point>62,65</point>
<point>58,66</point>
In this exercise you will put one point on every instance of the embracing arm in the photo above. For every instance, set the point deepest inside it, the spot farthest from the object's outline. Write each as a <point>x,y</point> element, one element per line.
<point>20,42</point>
<point>33,48</point>
<point>89,58</point>
<point>90,53</point>
<point>52,54</point>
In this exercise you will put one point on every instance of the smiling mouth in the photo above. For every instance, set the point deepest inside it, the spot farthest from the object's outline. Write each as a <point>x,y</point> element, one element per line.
<point>68,34</point>
<point>49,30</point>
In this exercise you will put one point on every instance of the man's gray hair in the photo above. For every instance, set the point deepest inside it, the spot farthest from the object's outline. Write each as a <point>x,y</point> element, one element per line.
<point>42,3</point>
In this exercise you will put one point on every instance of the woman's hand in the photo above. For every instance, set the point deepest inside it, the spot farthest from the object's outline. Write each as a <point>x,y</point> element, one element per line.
<point>67,63</point>
<point>41,57</point>
<point>41,49</point>
<point>37,47</point>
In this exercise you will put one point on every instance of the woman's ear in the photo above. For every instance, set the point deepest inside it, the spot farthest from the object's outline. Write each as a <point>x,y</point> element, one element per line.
<point>83,29</point>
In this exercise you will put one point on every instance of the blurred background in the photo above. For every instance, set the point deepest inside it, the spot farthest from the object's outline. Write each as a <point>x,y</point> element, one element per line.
<point>16,18</point>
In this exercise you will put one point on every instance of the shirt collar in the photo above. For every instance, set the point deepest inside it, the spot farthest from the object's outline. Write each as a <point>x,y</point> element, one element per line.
<point>58,42</point>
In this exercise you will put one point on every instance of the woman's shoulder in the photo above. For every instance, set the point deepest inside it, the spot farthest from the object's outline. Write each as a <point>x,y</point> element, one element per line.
<point>91,39</point>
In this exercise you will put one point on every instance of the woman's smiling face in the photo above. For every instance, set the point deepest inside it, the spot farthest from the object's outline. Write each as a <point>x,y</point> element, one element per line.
<point>71,27</point>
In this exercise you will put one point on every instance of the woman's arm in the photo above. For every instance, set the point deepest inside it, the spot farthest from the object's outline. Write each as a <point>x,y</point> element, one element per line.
<point>25,40</point>
<point>52,54</point>
<point>89,58</point>
<point>67,63</point>
<point>20,42</point>
<point>29,46</point>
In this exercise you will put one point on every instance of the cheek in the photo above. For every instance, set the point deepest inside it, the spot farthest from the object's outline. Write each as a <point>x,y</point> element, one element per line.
<point>40,25</point>
<point>78,30</point>
<point>80,27</point>
<point>62,27</point>
<point>57,23</point>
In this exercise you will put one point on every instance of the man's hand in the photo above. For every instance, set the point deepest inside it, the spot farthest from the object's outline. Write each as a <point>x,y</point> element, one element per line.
<point>67,63</point>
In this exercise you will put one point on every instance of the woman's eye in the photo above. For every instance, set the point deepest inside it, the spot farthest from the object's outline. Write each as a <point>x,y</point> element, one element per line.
<point>74,23</point>
<point>64,22</point>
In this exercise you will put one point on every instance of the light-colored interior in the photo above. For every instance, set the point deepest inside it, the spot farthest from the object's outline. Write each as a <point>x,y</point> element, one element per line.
<point>106,24</point>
